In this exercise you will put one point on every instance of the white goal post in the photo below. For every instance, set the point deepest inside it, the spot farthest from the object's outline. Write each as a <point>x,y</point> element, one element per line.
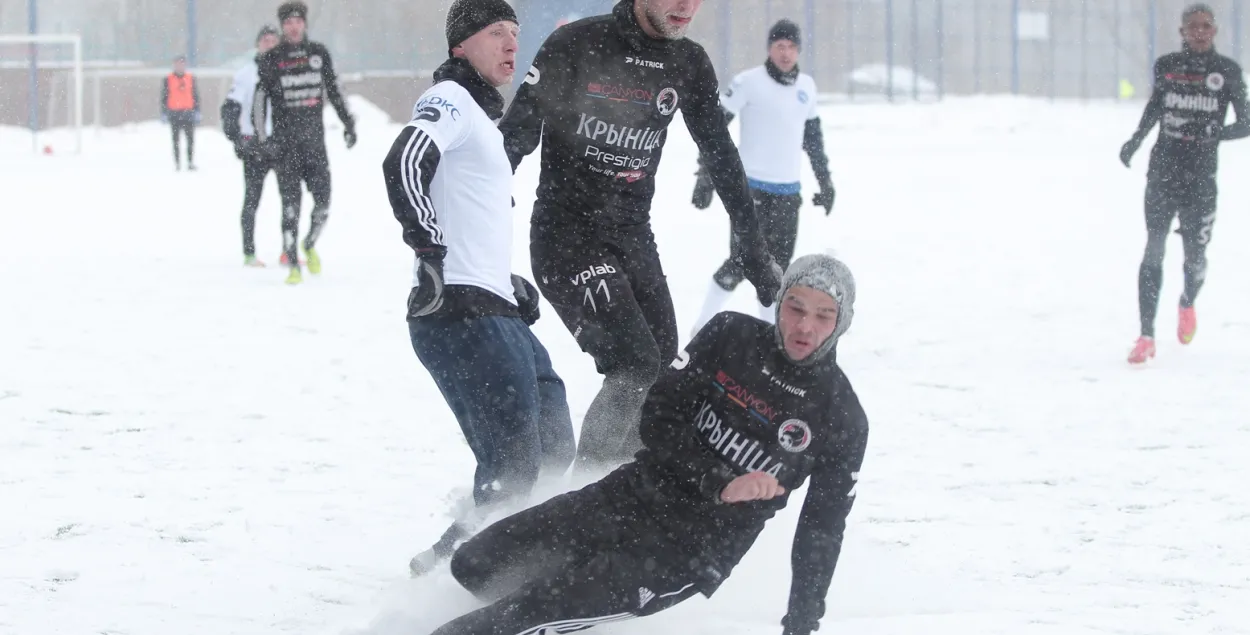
<point>77,100</point>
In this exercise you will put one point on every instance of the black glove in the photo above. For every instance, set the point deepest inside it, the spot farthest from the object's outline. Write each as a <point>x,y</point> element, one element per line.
<point>1128,149</point>
<point>349,135</point>
<point>267,150</point>
<point>760,269</point>
<point>526,299</point>
<point>244,146</point>
<point>824,198</point>
<point>427,297</point>
<point>703,190</point>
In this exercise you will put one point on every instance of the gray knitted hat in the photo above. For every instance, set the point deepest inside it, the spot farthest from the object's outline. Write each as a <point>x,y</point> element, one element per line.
<point>821,272</point>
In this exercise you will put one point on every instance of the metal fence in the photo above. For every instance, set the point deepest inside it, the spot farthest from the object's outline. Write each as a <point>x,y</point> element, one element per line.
<point>905,49</point>
<point>897,49</point>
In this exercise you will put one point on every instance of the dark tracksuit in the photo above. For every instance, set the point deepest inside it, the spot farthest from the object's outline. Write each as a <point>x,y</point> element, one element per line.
<point>655,532</point>
<point>180,103</point>
<point>600,97</point>
<point>296,80</point>
<point>1190,100</point>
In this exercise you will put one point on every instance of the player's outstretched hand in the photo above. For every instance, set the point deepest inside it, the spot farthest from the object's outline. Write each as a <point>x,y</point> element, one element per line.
<point>753,486</point>
<point>824,198</point>
<point>526,299</point>
<point>763,273</point>
<point>245,146</point>
<point>703,190</point>
<point>427,296</point>
<point>758,267</point>
<point>349,135</point>
<point>1127,150</point>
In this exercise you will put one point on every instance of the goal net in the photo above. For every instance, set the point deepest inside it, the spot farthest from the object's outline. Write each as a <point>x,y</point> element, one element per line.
<point>43,79</point>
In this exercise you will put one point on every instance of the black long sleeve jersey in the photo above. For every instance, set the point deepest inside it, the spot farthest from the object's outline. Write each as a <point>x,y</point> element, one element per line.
<point>731,404</point>
<point>296,80</point>
<point>1190,100</point>
<point>600,96</point>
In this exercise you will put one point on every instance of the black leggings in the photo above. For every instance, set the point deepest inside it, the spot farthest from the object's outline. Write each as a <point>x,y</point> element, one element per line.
<point>255,169</point>
<point>610,290</point>
<point>303,163</point>
<point>579,560</point>
<point>1196,208</point>
<point>183,122</point>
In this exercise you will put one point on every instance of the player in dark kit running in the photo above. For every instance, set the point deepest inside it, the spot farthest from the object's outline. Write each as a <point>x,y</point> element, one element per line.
<point>746,414</point>
<point>1193,89</point>
<point>600,96</point>
<point>297,77</point>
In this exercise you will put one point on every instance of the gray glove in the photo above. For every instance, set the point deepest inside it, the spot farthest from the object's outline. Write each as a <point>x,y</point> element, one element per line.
<point>526,299</point>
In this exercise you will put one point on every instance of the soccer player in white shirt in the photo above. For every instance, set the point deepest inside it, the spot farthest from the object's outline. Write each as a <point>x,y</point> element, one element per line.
<point>450,186</point>
<point>236,121</point>
<point>777,107</point>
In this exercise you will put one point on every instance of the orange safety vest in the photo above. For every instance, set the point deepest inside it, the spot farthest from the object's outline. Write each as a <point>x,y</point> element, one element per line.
<point>181,92</point>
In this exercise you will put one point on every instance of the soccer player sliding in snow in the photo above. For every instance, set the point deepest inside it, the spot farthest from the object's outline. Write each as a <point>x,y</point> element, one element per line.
<point>778,110</point>
<point>743,417</point>
<point>600,96</point>
<point>1193,89</point>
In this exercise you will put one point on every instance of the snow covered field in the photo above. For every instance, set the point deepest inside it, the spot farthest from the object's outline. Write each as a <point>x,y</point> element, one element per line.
<point>190,447</point>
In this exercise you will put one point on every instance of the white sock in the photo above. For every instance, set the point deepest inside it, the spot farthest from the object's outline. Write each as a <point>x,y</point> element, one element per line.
<point>767,313</point>
<point>716,298</point>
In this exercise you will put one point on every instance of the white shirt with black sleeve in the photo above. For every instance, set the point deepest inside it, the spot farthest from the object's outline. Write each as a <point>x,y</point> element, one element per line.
<point>450,185</point>
<point>774,119</point>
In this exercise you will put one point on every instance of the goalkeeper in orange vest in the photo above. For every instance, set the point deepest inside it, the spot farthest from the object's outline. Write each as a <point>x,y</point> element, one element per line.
<point>180,108</point>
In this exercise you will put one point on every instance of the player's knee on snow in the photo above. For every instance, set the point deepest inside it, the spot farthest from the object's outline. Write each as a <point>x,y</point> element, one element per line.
<point>483,570</point>
<point>472,569</point>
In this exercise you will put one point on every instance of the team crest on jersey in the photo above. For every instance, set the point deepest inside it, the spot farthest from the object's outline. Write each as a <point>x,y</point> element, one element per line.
<point>667,102</point>
<point>315,62</point>
<point>794,435</point>
<point>1215,81</point>
<point>803,97</point>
